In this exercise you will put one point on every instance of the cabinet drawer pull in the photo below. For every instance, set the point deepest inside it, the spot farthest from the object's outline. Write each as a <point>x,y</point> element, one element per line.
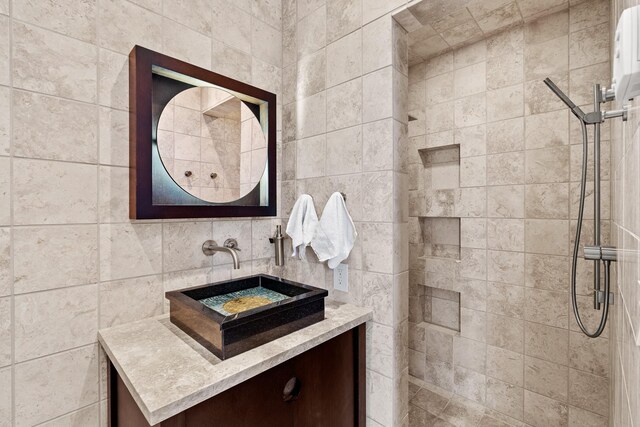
<point>291,389</point>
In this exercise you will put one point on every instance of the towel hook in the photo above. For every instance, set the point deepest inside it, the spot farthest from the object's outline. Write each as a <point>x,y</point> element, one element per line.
<point>344,196</point>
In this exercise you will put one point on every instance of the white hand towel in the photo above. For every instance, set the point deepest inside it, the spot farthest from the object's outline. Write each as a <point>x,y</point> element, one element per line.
<point>302,225</point>
<point>335,234</point>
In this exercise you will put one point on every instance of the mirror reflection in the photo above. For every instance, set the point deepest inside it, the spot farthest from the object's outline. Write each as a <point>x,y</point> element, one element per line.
<point>212,144</point>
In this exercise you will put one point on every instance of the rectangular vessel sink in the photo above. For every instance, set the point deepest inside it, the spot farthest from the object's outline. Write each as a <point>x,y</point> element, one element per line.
<point>234,316</point>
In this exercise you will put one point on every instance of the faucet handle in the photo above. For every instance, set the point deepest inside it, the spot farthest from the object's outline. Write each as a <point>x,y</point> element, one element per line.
<point>231,244</point>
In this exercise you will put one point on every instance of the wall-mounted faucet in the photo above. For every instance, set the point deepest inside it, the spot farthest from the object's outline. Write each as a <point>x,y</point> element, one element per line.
<point>210,247</point>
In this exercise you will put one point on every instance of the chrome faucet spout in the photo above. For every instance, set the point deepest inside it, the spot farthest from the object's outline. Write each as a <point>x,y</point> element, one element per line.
<point>210,247</point>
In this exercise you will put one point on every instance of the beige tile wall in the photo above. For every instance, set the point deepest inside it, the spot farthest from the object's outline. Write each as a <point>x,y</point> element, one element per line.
<point>519,352</point>
<point>625,328</point>
<point>71,262</point>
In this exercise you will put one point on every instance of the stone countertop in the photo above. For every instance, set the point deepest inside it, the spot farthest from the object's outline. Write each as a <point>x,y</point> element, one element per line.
<point>167,372</point>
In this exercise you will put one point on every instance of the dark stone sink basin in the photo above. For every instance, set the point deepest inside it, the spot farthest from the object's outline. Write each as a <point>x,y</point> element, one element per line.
<point>234,316</point>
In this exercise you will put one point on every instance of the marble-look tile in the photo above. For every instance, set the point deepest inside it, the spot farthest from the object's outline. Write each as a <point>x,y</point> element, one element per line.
<point>505,365</point>
<point>184,43</point>
<point>343,17</point>
<point>505,70</point>
<point>505,300</point>
<point>377,294</point>
<point>47,192</point>
<point>269,11</point>
<point>344,59</point>
<point>506,201</point>
<point>6,328</point>
<point>505,332</point>
<point>311,153</point>
<point>506,168</point>
<point>347,104</point>
<point>5,190</point>
<point>547,201</point>
<point>53,257</point>
<point>379,187</point>
<point>547,307</point>
<point>547,271</point>
<point>547,343</point>
<point>113,205</point>
<point>66,130</point>
<point>588,354</point>
<point>588,14</point>
<point>6,279</point>
<point>72,18</point>
<point>505,103</point>
<point>505,234</point>
<point>376,36</point>
<point>130,250</point>
<point>461,411</point>
<point>471,111</point>
<point>228,61</point>
<point>144,296</point>
<point>113,81</point>
<point>470,80</point>
<point>505,267</point>
<point>542,411</point>
<point>311,115</point>
<point>588,47</point>
<point>312,32</point>
<point>505,398</point>
<point>305,7</point>
<point>546,378</point>
<point>376,239</point>
<point>182,245</point>
<point>378,153</point>
<point>54,64</point>
<point>469,384</point>
<point>505,136</point>
<point>344,151</point>
<point>6,397</point>
<point>379,392</point>
<point>5,51</point>
<point>195,14</point>
<point>547,58</point>
<point>72,383</point>
<point>311,74</point>
<point>89,416</point>
<point>547,129</point>
<point>266,43</point>
<point>56,320</point>
<point>588,391</point>
<point>580,417</point>
<point>241,230</point>
<point>377,95</point>
<point>5,122</point>
<point>546,236</point>
<point>124,24</point>
<point>232,25</point>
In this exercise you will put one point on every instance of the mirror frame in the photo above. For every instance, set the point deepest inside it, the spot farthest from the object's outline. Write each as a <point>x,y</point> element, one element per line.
<point>141,206</point>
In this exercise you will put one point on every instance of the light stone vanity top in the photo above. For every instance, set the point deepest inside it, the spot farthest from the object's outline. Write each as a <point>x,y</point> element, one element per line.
<point>167,372</point>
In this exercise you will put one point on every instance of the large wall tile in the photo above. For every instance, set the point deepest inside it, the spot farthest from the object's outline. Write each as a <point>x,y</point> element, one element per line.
<point>343,17</point>
<point>47,62</point>
<point>185,43</point>
<point>5,51</point>
<point>145,296</point>
<point>66,130</point>
<point>182,245</point>
<point>377,95</point>
<point>124,24</point>
<point>5,120</point>
<point>72,382</point>
<point>344,151</point>
<point>72,18</point>
<point>5,191</point>
<point>130,250</point>
<point>231,25</point>
<point>312,31</point>
<point>344,59</point>
<point>53,257</point>
<point>346,105</point>
<point>6,278</point>
<point>52,321</point>
<point>541,411</point>
<point>6,397</point>
<point>46,192</point>
<point>6,326</point>
<point>195,14</point>
<point>266,43</point>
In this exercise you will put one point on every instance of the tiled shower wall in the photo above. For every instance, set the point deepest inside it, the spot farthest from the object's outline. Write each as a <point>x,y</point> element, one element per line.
<point>625,324</point>
<point>519,352</point>
<point>70,260</point>
<point>344,114</point>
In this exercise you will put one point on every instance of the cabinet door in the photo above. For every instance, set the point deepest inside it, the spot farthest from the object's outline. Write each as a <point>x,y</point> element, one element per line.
<point>256,402</point>
<point>328,377</point>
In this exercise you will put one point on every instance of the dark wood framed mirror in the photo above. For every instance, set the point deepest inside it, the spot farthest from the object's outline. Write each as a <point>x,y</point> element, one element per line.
<point>200,144</point>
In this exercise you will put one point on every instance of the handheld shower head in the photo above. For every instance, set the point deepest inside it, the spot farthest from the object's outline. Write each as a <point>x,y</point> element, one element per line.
<point>564,98</point>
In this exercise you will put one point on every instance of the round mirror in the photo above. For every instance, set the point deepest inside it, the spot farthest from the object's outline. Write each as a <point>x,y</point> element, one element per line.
<point>212,144</point>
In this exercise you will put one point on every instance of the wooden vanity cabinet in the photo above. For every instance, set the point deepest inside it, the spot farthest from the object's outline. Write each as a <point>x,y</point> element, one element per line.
<point>324,386</point>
